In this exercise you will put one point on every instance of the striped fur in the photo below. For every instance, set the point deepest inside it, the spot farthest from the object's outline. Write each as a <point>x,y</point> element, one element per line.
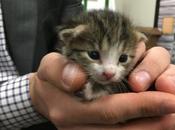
<point>109,33</point>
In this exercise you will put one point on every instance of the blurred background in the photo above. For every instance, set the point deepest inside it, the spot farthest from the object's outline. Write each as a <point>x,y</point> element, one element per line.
<point>154,18</point>
<point>142,12</point>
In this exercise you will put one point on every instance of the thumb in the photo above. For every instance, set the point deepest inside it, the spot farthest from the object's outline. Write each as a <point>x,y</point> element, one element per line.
<point>73,77</point>
<point>60,72</point>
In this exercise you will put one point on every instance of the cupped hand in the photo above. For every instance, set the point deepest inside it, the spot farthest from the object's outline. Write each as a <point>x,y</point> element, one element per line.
<point>166,81</point>
<point>150,65</point>
<point>156,123</point>
<point>51,93</point>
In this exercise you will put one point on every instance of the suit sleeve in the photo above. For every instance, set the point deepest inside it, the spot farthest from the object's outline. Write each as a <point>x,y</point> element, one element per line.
<point>71,8</point>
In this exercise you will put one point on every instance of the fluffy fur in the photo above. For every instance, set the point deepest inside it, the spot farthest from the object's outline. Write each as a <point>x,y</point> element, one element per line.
<point>104,44</point>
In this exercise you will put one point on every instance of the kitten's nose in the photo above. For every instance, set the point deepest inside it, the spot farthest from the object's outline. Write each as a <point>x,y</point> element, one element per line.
<point>108,75</point>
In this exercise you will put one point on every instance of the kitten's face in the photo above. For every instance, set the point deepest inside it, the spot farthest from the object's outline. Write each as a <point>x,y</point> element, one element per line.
<point>108,64</point>
<point>104,45</point>
<point>104,62</point>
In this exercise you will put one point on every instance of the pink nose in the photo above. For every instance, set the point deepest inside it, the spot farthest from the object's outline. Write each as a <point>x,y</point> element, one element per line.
<point>108,75</point>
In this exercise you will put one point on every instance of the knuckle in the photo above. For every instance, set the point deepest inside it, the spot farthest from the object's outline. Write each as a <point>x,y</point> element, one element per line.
<point>144,111</point>
<point>161,50</point>
<point>46,65</point>
<point>51,57</point>
<point>108,116</point>
<point>154,107</point>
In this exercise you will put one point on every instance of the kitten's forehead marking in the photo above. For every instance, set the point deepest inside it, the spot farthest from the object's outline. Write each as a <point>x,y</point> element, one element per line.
<point>105,45</point>
<point>109,55</point>
<point>112,53</point>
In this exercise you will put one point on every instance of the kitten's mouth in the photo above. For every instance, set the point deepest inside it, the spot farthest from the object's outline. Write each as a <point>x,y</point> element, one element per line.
<point>105,82</point>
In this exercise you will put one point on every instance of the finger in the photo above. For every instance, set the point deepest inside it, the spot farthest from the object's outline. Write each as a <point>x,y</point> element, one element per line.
<point>62,73</point>
<point>62,108</point>
<point>159,123</point>
<point>156,60</point>
<point>107,110</point>
<point>166,81</point>
<point>117,108</point>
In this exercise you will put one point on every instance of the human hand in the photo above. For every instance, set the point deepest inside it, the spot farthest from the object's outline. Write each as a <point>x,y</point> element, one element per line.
<point>153,63</point>
<point>53,98</point>
<point>166,81</point>
<point>159,123</point>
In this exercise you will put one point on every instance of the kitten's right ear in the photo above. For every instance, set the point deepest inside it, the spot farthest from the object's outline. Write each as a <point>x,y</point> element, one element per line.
<point>141,37</point>
<point>67,34</point>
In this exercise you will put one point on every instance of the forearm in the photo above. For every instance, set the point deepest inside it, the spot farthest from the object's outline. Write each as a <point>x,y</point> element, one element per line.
<point>16,109</point>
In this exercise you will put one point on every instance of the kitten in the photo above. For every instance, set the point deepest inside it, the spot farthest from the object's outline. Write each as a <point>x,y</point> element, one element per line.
<point>104,44</point>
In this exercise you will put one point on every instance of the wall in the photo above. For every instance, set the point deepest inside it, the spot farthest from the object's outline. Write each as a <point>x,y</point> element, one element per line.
<point>141,12</point>
<point>100,4</point>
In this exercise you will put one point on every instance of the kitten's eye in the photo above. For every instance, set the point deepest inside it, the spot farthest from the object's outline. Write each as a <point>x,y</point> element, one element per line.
<point>94,55</point>
<point>123,58</point>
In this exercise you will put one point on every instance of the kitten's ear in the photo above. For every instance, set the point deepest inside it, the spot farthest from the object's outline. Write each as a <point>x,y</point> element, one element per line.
<point>67,34</point>
<point>141,37</point>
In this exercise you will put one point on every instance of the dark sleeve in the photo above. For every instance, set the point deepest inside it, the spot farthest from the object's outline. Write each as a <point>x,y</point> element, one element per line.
<point>71,8</point>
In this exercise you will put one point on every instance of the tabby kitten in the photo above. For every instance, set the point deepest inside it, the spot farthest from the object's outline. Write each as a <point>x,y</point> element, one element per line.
<point>104,44</point>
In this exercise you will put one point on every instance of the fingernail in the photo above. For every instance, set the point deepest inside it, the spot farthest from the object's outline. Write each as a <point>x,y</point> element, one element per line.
<point>143,80</point>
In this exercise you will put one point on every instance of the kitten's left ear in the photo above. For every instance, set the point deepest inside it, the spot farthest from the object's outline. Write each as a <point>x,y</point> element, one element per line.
<point>141,37</point>
<point>67,34</point>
